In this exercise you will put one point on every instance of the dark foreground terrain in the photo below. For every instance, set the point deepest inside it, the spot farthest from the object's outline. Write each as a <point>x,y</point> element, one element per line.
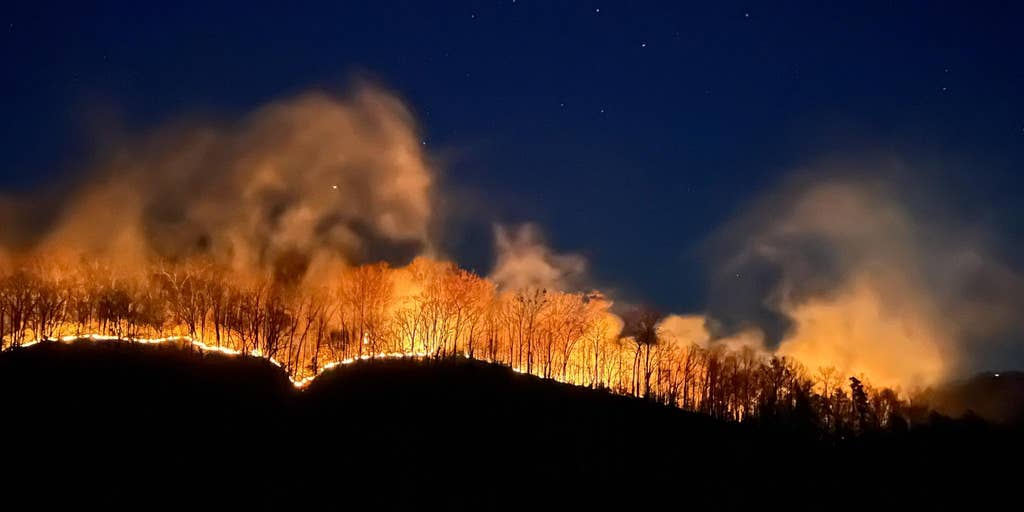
<point>141,426</point>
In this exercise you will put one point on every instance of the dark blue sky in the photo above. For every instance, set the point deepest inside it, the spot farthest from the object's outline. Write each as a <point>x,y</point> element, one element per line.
<point>628,130</point>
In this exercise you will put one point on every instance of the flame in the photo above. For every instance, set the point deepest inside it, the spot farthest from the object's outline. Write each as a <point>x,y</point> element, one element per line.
<point>300,383</point>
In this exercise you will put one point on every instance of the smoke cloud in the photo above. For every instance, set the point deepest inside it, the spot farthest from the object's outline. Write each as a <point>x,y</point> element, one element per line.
<point>525,261</point>
<point>684,330</point>
<point>303,184</point>
<point>860,274</point>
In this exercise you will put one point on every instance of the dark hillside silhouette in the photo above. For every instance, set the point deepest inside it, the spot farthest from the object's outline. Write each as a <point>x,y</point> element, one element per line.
<point>123,418</point>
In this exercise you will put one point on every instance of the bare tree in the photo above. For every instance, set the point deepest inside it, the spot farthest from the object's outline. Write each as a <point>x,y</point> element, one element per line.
<point>643,331</point>
<point>364,298</point>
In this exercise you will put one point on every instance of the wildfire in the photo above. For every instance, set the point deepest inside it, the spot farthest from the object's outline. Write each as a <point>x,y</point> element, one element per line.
<point>426,311</point>
<point>227,239</point>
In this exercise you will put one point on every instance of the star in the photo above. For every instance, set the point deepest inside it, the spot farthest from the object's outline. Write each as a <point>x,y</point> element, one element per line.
<point>746,15</point>
<point>643,45</point>
<point>598,10</point>
<point>335,187</point>
<point>602,111</point>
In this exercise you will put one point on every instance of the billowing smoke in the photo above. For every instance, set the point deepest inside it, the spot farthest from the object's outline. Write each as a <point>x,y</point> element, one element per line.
<point>299,185</point>
<point>862,275</point>
<point>684,330</point>
<point>524,260</point>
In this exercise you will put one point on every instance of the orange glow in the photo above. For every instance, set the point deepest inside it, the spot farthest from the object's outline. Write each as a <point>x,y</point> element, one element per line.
<point>433,310</point>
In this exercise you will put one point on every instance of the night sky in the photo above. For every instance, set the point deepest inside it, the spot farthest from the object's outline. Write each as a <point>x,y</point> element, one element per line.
<point>630,131</point>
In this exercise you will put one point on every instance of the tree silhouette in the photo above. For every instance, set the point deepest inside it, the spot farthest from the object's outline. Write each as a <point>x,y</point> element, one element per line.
<point>859,402</point>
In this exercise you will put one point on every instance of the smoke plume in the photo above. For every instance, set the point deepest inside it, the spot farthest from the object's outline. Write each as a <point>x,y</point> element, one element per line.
<point>860,274</point>
<point>298,185</point>
<point>525,261</point>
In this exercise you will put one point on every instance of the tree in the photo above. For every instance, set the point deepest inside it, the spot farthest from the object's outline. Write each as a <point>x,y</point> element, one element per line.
<point>643,331</point>
<point>50,298</point>
<point>827,379</point>
<point>17,293</point>
<point>597,336</point>
<point>184,294</point>
<point>364,298</point>
<point>860,408</point>
<point>526,305</point>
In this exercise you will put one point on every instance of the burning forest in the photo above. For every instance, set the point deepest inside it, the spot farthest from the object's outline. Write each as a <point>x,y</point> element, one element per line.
<point>427,309</point>
<point>306,234</point>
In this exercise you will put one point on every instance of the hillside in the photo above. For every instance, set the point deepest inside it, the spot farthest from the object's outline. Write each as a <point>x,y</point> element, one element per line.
<point>144,417</point>
<point>993,396</point>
